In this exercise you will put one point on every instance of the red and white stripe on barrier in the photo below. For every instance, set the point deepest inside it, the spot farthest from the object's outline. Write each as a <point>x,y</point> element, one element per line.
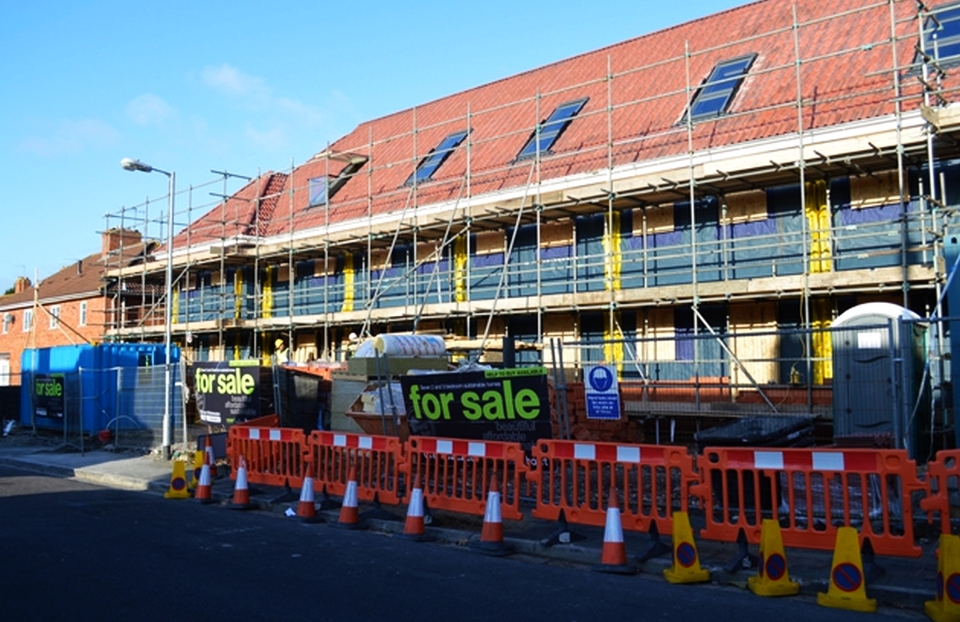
<point>356,441</point>
<point>475,449</point>
<point>806,460</point>
<point>265,434</point>
<point>607,452</point>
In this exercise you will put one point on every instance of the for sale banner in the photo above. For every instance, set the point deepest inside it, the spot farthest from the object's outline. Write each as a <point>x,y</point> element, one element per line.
<point>48,395</point>
<point>227,392</point>
<point>510,405</point>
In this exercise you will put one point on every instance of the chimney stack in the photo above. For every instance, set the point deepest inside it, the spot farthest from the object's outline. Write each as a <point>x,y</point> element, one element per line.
<point>113,239</point>
<point>22,284</point>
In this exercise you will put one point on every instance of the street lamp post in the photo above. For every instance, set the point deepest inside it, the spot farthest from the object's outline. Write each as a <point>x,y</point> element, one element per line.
<point>136,165</point>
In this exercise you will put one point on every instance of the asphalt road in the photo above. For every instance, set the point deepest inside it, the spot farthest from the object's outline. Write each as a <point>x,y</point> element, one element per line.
<point>72,551</point>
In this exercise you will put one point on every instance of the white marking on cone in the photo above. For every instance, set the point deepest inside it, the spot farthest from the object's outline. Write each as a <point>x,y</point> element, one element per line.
<point>492,513</point>
<point>415,509</point>
<point>613,530</point>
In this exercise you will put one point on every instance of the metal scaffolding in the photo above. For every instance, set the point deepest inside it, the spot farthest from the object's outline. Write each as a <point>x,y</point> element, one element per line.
<point>256,264</point>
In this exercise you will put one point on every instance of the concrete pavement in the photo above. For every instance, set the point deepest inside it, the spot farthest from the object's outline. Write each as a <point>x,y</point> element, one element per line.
<point>901,583</point>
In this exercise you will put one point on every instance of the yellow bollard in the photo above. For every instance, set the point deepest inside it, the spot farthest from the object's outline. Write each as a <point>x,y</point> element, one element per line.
<point>178,483</point>
<point>686,561</point>
<point>773,578</point>
<point>946,608</point>
<point>847,586</point>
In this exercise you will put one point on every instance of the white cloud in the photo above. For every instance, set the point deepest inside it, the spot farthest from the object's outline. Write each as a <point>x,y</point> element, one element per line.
<point>274,138</point>
<point>149,109</point>
<point>68,137</point>
<point>284,117</point>
<point>231,81</point>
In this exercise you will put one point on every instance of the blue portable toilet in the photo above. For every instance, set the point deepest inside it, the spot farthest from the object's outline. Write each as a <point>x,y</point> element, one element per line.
<point>80,383</point>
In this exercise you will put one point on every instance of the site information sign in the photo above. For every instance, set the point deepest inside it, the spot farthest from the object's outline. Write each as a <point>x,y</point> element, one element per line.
<point>227,392</point>
<point>48,395</point>
<point>602,392</point>
<point>509,405</point>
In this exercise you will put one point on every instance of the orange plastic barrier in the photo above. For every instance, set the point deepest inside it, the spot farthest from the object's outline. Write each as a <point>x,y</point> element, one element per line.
<point>811,492</point>
<point>943,475</point>
<point>378,461</point>
<point>652,480</point>
<point>456,473</point>
<point>275,456</point>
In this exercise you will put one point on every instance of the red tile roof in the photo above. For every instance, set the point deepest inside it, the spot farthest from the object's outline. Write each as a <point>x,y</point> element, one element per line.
<point>82,279</point>
<point>845,76</point>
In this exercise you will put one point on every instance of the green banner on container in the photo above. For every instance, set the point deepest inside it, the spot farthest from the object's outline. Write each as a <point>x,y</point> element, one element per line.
<point>510,405</point>
<point>48,396</point>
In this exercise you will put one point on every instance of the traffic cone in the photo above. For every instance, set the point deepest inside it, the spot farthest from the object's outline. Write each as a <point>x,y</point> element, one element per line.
<point>211,459</point>
<point>686,561</point>
<point>178,483</point>
<point>491,536</point>
<point>847,588</point>
<point>772,577</point>
<point>197,465</point>
<point>613,555</point>
<point>349,511</point>
<point>241,491</point>
<point>204,492</point>
<point>413,528</point>
<point>306,508</point>
<point>946,608</point>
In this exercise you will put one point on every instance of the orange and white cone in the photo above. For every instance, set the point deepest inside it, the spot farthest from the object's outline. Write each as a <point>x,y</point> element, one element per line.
<point>204,492</point>
<point>306,508</point>
<point>349,511</point>
<point>241,490</point>
<point>613,555</point>
<point>413,528</point>
<point>491,536</point>
<point>210,458</point>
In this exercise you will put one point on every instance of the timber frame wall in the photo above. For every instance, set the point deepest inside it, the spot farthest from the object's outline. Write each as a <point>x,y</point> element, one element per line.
<point>624,235</point>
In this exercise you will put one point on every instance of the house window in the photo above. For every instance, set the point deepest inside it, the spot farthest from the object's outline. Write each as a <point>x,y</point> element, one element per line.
<point>83,314</point>
<point>429,165</point>
<point>941,35</point>
<point>54,316</point>
<point>27,319</point>
<point>321,189</point>
<point>318,191</point>
<point>713,97</point>
<point>550,130</point>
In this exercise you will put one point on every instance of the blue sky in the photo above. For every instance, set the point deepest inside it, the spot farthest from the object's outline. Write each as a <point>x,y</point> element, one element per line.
<point>238,86</point>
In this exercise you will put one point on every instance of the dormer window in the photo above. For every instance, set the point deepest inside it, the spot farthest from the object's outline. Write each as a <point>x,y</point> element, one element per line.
<point>550,130</point>
<point>941,36</point>
<point>429,165</point>
<point>713,97</point>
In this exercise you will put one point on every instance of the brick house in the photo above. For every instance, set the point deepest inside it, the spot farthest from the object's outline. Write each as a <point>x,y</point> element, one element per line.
<point>69,307</point>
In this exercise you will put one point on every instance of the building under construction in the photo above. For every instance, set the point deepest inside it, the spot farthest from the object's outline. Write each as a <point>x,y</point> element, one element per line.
<point>759,170</point>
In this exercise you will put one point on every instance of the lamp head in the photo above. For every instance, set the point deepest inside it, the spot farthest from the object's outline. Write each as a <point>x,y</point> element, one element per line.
<point>131,164</point>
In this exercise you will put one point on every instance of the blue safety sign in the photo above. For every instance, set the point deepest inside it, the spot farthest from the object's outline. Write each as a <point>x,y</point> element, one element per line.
<point>602,392</point>
<point>953,588</point>
<point>686,554</point>
<point>776,566</point>
<point>847,577</point>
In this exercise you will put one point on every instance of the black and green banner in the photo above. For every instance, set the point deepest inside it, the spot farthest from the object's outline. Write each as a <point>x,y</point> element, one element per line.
<point>48,395</point>
<point>511,405</point>
<point>227,392</point>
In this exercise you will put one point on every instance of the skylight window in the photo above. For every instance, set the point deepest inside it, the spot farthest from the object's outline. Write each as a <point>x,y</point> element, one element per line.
<point>941,35</point>
<point>715,94</point>
<point>322,188</point>
<point>550,130</point>
<point>318,191</point>
<point>429,165</point>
